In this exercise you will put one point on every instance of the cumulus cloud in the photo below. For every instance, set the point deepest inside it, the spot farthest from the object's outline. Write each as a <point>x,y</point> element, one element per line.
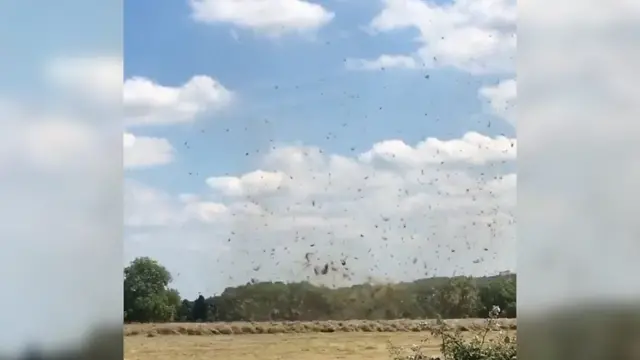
<point>383,62</point>
<point>59,142</point>
<point>42,140</point>
<point>473,148</point>
<point>70,136</point>
<point>146,206</point>
<point>143,151</point>
<point>148,103</point>
<point>248,184</point>
<point>476,36</point>
<point>272,17</point>
<point>97,77</point>
<point>502,99</point>
<point>429,203</point>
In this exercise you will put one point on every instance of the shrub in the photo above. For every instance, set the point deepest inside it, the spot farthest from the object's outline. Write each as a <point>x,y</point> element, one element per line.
<point>455,347</point>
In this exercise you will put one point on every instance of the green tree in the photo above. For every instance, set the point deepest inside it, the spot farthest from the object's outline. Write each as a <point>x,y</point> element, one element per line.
<point>200,309</point>
<point>175,302</point>
<point>502,293</point>
<point>458,298</point>
<point>147,297</point>
<point>185,311</point>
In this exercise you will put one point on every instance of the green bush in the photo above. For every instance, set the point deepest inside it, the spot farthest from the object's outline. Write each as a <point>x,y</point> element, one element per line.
<point>455,347</point>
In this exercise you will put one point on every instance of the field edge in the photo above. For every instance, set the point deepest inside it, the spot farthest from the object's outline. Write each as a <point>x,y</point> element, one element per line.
<point>301,327</point>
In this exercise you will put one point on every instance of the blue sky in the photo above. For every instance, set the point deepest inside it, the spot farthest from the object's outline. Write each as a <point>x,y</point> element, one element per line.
<point>295,88</point>
<point>301,86</point>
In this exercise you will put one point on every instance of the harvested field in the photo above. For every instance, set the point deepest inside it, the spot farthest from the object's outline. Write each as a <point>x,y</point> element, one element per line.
<point>351,340</point>
<point>300,327</point>
<point>310,346</point>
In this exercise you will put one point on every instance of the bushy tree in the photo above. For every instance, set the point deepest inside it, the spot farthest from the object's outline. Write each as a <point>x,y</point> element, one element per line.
<point>200,309</point>
<point>501,293</point>
<point>454,346</point>
<point>147,297</point>
<point>457,298</point>
<point>185,312</point>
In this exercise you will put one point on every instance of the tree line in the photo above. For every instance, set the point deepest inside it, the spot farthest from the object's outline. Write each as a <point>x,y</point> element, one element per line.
<point>148,297</point>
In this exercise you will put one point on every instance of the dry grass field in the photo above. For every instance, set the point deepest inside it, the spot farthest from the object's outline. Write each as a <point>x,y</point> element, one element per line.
<point>352,340</point>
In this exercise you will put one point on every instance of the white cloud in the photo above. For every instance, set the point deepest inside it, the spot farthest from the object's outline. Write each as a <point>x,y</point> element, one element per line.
<point>39,140</point>
<point>502,99</point>
<point>248,184</point>
<point>149,103</point>
<point>142,151</point>
<point>477,36</point>
<point>146,206</point>
<point>98,77</point>
<point>391,204</point>
<point>383,62</point>
<point>473,148</point>
<point>59,142</point>
<point>60,138</point>
<point>272,17</point>
<point>205,211</point>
